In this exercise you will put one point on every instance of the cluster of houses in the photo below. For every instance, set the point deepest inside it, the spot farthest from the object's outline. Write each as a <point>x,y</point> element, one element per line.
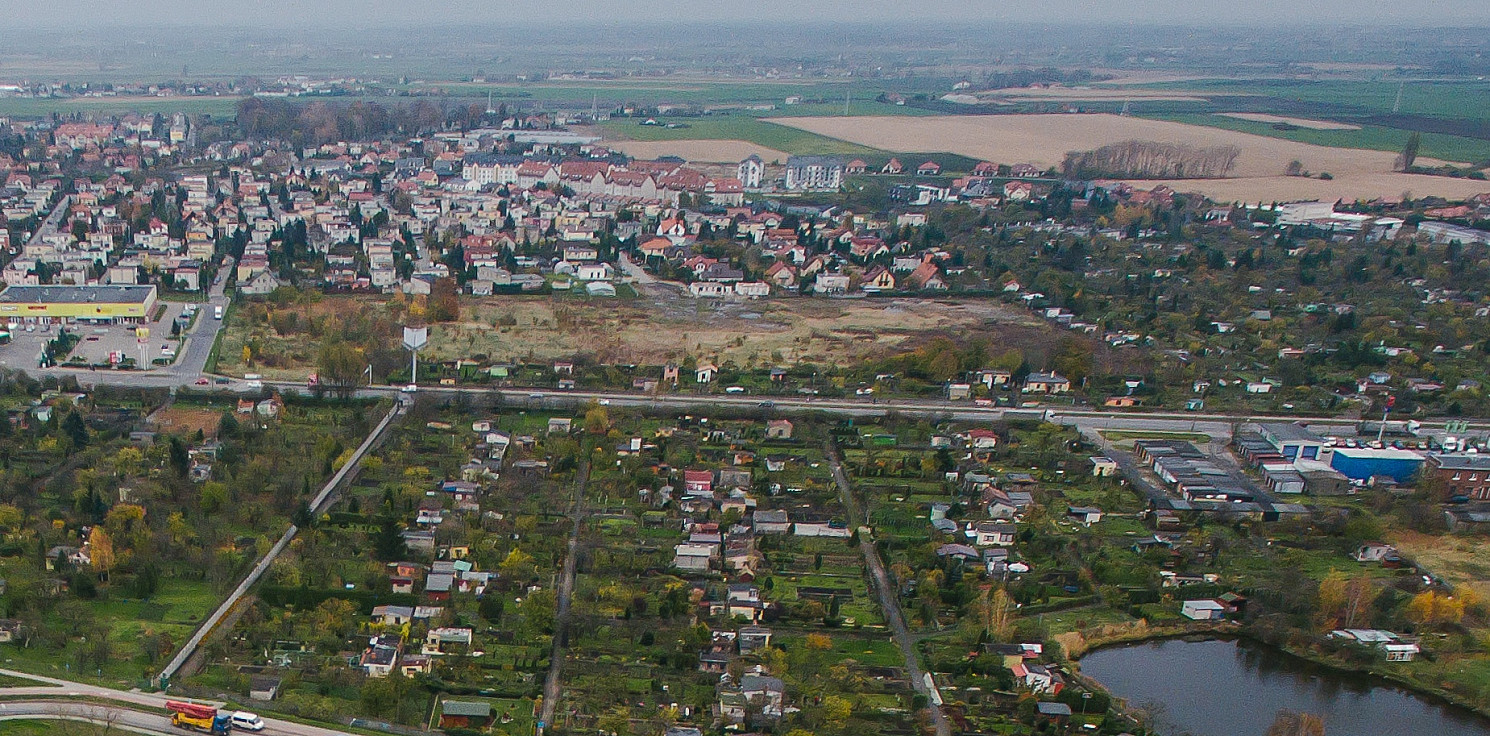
<point>393,650</point>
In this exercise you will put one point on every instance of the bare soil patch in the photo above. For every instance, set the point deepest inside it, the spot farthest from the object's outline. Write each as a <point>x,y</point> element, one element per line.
<point>178,420</point>
<point>758,334</point>
<point>1258,117</point>
<point>1044,140</point>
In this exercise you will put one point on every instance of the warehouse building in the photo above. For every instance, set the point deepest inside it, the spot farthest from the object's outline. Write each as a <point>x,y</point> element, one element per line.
<point>1364,463</point>
<point>113,303</point>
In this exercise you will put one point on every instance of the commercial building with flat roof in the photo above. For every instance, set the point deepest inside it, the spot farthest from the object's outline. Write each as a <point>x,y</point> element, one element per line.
<point>113,303</point>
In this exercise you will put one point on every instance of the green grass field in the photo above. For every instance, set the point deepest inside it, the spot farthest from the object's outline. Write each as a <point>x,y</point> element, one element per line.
<point>46,727</point>
<point>1446,147</point>
<point>740,127</point>
<point>1453,99</point>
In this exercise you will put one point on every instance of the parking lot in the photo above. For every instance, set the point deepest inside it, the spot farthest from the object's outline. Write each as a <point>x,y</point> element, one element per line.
<point>24,349</point>
<point>96,342</point>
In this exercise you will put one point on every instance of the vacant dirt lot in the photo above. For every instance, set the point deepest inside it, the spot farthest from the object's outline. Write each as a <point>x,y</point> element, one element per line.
<point>177,420</point>
<point>1459,560</point>
<point>661,326</point>
<point>764,333</point>
<point>1258,117</point>
<point>1044,140</point>
<point>698,150</point>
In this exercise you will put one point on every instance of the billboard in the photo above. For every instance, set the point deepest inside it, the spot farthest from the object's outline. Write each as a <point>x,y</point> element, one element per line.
<point>415,337</point>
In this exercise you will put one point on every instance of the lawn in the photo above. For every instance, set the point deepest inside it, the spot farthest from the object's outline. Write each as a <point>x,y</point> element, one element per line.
<point>41,727</point>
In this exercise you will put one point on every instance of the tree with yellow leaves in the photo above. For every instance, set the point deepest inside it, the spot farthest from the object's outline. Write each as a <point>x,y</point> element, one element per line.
<point>1432,609</point>
<point>101,552</point>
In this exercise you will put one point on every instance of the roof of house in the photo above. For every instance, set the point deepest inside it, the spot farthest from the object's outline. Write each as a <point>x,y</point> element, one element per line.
<point>466,708</point>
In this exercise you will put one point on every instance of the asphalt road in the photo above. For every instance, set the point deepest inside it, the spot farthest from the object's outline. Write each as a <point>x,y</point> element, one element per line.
<point>47,699</point>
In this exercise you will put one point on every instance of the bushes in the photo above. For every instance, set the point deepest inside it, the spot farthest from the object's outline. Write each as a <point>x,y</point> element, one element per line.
<point>307,598</point>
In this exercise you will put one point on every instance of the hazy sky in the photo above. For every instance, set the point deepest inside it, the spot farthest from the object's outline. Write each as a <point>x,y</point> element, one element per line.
<point>365,13</point>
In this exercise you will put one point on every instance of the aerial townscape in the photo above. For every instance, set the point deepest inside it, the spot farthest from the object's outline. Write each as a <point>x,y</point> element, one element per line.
<point>747,372</point>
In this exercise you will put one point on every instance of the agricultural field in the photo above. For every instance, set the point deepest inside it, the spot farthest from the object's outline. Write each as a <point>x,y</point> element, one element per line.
<point>701,151</point>
<point>731,129</point>
<point>1375,137</point>
<point>1044,140</point>
<point>40,107</point>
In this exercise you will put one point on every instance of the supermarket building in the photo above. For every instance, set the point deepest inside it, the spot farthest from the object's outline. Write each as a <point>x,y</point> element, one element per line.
<point>121,304</point>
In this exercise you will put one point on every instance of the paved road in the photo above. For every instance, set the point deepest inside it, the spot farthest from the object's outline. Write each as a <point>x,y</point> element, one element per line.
<point>47,700</point>
<point>889,600</point>
<point>53,222</point>
<point>316,506</point>
<point>565,595</point>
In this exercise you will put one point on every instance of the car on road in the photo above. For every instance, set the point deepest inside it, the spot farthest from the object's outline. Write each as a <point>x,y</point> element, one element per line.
<point>603,402</point>
<point>766,404</point>
<point>735,390</point>
<point>221,381</point>
<point>245,721</point>
<point>411,388</point>
<point>202,381</point>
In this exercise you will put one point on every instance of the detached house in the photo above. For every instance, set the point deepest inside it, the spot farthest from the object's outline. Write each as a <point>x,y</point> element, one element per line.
<point>1046,383</point>
<point>991,534</point>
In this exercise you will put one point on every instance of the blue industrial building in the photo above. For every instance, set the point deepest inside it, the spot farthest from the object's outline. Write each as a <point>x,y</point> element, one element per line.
<point>1362,463</point>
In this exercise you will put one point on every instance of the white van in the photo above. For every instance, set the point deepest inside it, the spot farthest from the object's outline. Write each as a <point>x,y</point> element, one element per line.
<point>245,721</point>
<point>217,312</point>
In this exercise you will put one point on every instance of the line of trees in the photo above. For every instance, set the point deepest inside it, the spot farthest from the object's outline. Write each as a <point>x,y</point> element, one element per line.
<point>1151,160</point>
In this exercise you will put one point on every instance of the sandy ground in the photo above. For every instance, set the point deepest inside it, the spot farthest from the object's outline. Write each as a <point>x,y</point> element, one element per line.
<point>1258,117</point>
<point>711,151</point>
<point>1044,140</point>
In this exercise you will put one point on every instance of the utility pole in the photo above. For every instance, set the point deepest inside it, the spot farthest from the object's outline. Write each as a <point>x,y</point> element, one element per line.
<point>845,103</point>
